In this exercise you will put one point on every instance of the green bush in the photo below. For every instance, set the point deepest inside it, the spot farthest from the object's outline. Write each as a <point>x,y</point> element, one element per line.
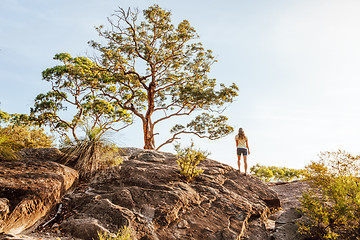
<point>125,233</point>
<point>333,202</point>
<point>6,152</point>
<point>272,173</point>
<point>187,159</point>
<point>20,137</point>
<point>13,138</point>
<point>18,131</point>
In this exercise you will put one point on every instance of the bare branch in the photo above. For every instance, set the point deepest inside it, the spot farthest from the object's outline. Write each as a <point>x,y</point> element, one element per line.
<point>178,113</point>
<point>174,137</point>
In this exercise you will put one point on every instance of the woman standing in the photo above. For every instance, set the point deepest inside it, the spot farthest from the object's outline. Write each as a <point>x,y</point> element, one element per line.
<point>242,148</point>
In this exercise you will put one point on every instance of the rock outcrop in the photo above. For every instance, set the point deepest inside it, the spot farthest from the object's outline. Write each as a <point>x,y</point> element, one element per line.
<point>30,187</point>
<point>148,194</point>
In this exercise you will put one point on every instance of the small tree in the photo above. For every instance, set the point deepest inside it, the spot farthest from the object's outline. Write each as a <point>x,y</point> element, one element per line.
<point>333,203</point>
<point>187,159</point>
<point>92,117</point>
<point>72,89</point>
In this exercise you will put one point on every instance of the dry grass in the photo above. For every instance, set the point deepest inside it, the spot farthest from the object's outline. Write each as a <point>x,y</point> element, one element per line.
<point>125,233</point>
<point>92,154</point>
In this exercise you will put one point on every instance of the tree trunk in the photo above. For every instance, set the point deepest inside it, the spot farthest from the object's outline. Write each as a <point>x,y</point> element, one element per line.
<point>148,136</point>
<point>147,123</point>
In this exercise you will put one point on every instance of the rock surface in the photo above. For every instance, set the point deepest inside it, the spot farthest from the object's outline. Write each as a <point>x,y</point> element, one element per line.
<point>41,154</point>
<point>148,194</point>
<point>287,218</point>
<point>28,189</point>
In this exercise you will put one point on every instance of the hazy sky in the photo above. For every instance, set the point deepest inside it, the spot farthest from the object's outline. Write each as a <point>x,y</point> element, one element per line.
<point>297,64</point>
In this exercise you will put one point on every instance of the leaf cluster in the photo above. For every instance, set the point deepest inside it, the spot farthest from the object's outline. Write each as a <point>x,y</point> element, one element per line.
<point>273,173</point>
<point>187,159</point>
<point>333,202</point>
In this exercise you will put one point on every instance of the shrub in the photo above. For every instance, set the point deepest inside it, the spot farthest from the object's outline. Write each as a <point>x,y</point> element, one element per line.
<point>187,159</point>
<point>6,152</point>
<point>272,173</point>
<point>92,153</point>
<point>26,137</point>
<point>13,138</point>
<point>124,233</point>
<point>333,202</point>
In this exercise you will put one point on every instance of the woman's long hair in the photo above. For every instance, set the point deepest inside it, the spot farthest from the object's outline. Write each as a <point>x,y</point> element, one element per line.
<point>241,134</point>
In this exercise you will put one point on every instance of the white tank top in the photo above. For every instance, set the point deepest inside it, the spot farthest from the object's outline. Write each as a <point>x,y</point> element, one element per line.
<point>241,142</point>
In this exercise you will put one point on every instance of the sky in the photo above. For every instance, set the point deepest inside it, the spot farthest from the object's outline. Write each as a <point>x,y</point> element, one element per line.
<point>296,64</point>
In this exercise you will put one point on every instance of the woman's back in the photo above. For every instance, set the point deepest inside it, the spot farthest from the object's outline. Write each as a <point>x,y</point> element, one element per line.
<point>241,142</point>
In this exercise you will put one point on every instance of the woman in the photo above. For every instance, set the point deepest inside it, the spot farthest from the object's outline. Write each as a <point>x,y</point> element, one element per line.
<point>242,147</point>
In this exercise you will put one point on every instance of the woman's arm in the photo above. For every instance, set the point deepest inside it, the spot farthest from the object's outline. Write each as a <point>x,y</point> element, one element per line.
<point>247,145</point>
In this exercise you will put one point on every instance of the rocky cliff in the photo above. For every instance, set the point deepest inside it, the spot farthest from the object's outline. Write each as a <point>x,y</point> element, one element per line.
<point>29,189</point>
<point>147,193</point>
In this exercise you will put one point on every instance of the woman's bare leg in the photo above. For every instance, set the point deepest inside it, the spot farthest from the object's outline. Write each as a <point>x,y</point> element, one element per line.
<point>245,164</point>
<point>239,162</point>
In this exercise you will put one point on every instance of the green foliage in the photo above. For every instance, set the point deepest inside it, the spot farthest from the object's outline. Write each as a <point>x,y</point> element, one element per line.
<point>4,116</point>
<point>91,154</point>
<point>125,233</point>
<point>272,173</point>
<point>16,119</point>
<point>333,202</point>
<point>19,137</point>
<point>152,70</point>
<point>18,133</point>
<point>73,89</point>
<point>6,152</point>
<point>187,159</point>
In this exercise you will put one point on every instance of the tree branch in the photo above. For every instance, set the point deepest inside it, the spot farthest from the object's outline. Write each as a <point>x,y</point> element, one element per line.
<point>178,113</point>
<point>170,140</point>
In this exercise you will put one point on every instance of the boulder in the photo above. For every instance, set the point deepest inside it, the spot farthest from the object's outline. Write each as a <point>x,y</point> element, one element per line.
<point>83,228</point>
<point>148,194</point>
<point>41,154</point>
<point>29,189</point>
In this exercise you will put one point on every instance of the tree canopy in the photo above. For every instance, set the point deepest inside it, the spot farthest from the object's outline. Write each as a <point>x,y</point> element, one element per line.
<point>151,70</point>
<point>72,89</point>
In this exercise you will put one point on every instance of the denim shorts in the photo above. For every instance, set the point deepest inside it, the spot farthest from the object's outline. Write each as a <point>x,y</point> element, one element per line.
<point>240,151</point>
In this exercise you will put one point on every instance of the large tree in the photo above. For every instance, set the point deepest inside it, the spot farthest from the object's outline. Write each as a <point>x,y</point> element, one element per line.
<point>156,71</point>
